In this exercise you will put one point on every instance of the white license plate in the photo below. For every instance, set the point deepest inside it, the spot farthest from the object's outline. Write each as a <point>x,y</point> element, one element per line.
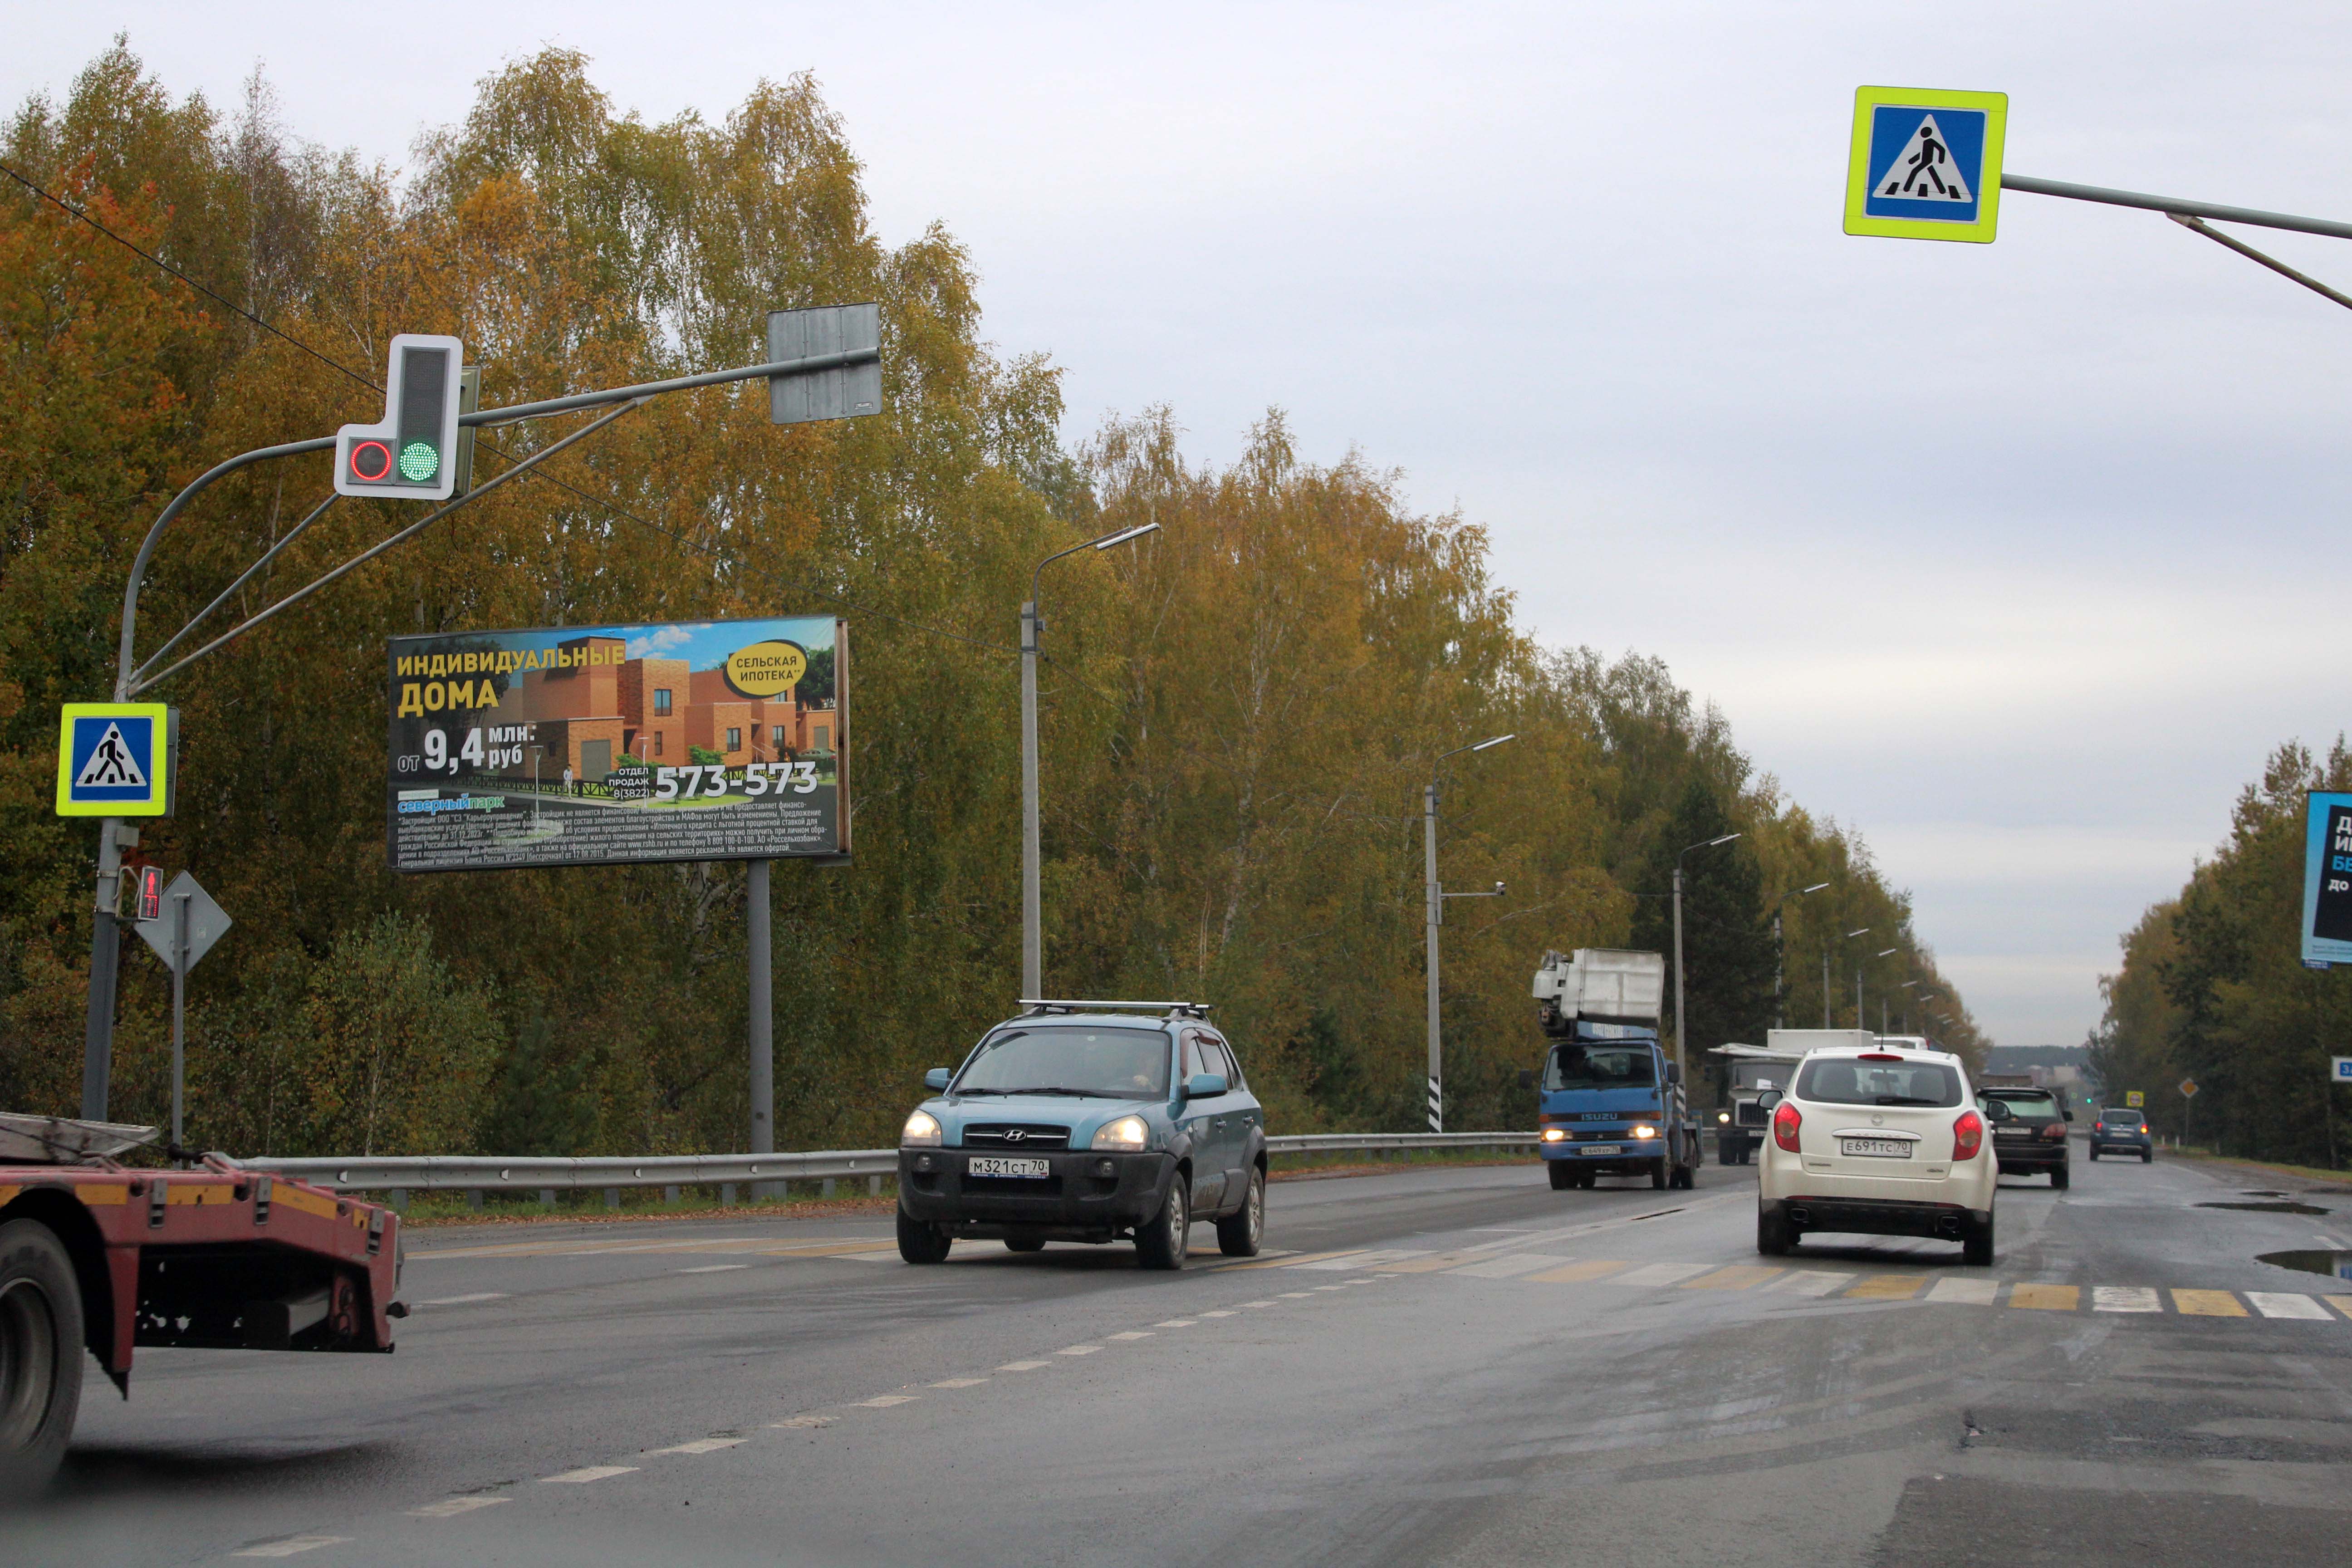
<point>1876,1148</point>
<point>1605,1149</point>
<point>984,1165</point>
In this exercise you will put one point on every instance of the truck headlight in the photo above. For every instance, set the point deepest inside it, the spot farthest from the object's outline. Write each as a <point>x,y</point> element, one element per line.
<point>1723,1116</point>
<point>1553,1135</point>
<point>1645,1131</point>
<point>1130,1133</point>
<point>921,1131</point>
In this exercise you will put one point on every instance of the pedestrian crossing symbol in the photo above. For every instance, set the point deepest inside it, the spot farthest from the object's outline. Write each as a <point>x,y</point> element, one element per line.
<point>113,760</point>
<point>1925,164</point>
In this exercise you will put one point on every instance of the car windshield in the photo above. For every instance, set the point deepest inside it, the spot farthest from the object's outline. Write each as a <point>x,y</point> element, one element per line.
<point>1064,1059</point>
<point>2028,1105</point>
<point>1577,1066</point>
<point>1842,1080</point>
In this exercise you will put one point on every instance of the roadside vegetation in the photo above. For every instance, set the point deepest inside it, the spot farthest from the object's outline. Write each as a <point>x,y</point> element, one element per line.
<point>1238,714</point>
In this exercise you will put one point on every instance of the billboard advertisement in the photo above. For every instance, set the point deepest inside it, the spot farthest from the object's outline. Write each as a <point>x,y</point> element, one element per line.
<point>618,745</point>
<point>2327,880</point>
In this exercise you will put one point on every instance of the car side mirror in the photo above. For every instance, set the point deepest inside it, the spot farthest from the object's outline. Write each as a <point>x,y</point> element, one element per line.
<point>1767,1099</point>
<point>936,1078</point>
<point>2067,1114</point>
<point>1527,1078</point>
<point>1674,1072</point>
<point>1999,1111</point>
<point>1204,1085</point>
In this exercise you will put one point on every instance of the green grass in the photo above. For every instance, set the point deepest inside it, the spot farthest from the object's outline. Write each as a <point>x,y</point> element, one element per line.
<point>2301,1173</point>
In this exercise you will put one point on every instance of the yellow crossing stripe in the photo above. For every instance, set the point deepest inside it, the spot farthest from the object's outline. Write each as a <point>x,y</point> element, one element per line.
<point>1889,1287</point>
<point>1736,1278</point>
<point>1573,1273</point>
<point>2208,1304</point>
<point>2051,1297</point>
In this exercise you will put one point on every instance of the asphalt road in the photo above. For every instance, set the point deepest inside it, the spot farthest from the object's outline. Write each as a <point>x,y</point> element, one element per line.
<point>1482,1372</point>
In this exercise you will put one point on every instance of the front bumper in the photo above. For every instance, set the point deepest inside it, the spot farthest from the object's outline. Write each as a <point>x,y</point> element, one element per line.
<point>1628,1155</point>
<point>1084,1196</point>
<point>1881,1216</point>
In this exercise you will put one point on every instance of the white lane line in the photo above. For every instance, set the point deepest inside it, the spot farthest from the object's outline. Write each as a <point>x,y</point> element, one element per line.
<point>1078,1350</point>
<point>462,1301</point>
<point>1511,1265</point>
<point>959,1382</point>
<point>1657,1274</point>
<point>1174,1323</point>
<point>884,1401</point>
<point>451,1507</point>
<point>1023,1365</point>
<point>580,1478</point>
<point>701,1445</point>
<point>1130,1334</point>
<point>2125,1299</point>
<point>713,1268</point>
<point>2285,1304</point>
<point>292,1546</point>
<point>1216,1314</point>
<point>805,1421</point>
<point>1810,1282</point>
<point>1244,1303</point>
<point>1363,1260</point>
<point>1291,1296</point>
<point>889,1257</point>
<point>1330,1287</point>
<point>1968,1292</point>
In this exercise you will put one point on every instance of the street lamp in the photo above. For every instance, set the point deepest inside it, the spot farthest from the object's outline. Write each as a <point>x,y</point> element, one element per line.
<point>1826,992</point>
<point>1779,990</point>
<point>1033,946</point>
<point>1858,968</point>
<point>1433,914</point>
<point>1702,844</point>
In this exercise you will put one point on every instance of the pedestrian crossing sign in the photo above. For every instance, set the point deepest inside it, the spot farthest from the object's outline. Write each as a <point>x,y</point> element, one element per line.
<point>1925,163</point>
<point>114,760</point>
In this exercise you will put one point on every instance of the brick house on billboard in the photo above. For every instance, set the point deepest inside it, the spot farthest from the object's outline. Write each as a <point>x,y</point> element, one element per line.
<point>603,706</point>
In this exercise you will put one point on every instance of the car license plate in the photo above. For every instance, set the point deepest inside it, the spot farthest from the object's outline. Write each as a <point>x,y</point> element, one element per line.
<point>1876,1148</point>
<point>1605,1149</point>
<point>987,1165</point>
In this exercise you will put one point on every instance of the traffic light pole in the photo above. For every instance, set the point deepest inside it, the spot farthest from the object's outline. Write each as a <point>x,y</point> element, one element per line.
<point>129,680</point>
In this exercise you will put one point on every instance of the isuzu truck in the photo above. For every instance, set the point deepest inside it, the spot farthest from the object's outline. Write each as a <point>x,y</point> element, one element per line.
<point>1610,1101</point>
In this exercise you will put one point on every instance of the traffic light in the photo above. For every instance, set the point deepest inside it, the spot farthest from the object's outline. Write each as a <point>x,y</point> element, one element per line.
<point>151,892</point>
<point>412,454</point>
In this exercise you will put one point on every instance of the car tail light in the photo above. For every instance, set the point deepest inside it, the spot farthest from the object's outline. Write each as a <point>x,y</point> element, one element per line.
<point>2055,1129</point>
<point>1785,1123</point>
<point>1878,1057</point>
<point>1968,1135</point>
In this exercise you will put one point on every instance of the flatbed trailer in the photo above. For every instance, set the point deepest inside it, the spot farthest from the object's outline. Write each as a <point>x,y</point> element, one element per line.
<point>207,1255</point>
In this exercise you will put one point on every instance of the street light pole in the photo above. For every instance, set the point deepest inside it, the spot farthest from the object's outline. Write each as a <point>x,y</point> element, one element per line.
<point>1702,844</point>
<point>1858,968</point>
<point>1033,941</point>
<point>1434,915</point>
<point>1780,954</point>
<point>1825,983</point>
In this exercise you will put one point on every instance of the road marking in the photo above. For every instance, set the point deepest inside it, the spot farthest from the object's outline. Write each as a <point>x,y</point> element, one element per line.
<point>1216,1314</point>
<point>1023,1365</point>
<point>2341,1303</point>
<point>1888,1287</point>
<point>1738,1277</point>
<point>292,1546</point>
<point>813,1420</point>
<point>2285,1304</point>
<point>1130,1334</point>
<point>1078,1350</point>
<point>713,1269</point>
<point>1174,1323</point>
<point>959,1382</point>
<point>1330,1287</point>
<point>1808,1282</point>
<point>1576,1272</point>
<point>1436,1261</point>
<point>1291,1296</point>
<point>580,1478</point>
<point>2124,1299</point>
<point>889,1257</point>
<point>1246,1304</point>
<point>1366,1260</point>
<point>1968,1292</point>
<point>1510,1266</point>
<point>1291,1260</point>
<point>701,1445</point>
<point>450,1507</point>
<point>1659,1274</point>
<point>2047,1298</point>
<point>884,1401</point>
<point>2207,1304</point>
<point>463,1300</point>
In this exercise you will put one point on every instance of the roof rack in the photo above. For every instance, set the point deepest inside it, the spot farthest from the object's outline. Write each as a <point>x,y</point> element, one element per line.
<point>1172,1009</point>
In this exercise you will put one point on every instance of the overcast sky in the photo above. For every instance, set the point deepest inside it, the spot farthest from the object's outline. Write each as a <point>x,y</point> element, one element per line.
<point>2015,557</point>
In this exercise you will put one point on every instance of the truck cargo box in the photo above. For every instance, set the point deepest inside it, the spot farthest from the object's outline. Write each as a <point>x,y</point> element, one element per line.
<point>1606,985</point>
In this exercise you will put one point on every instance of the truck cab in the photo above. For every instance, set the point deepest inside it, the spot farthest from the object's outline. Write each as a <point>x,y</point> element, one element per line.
<point>1610,1103</point>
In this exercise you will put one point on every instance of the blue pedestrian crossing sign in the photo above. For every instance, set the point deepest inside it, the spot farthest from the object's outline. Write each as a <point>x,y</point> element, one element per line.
<point>1925,163</point>
<point>114,759</point>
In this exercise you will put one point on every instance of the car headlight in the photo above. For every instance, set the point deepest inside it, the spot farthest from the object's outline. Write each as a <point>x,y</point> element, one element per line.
<point>921,1131</point>
<point>1128,1132</point>
<point>1553,1135</point>
<point>1723,1116</point>
<point>1645,1132</point>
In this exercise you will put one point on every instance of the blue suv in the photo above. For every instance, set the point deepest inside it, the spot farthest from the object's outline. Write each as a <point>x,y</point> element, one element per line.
<point>1084,1122</point>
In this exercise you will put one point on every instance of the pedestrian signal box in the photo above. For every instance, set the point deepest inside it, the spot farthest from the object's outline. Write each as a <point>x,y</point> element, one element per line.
<point>151,892</point>
<point>412,454</point>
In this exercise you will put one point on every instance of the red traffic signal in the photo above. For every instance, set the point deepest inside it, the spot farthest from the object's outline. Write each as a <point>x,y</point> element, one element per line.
<point>151,892</point>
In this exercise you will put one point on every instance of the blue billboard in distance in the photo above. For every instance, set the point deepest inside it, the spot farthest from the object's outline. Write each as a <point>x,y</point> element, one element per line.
<point>2327,880</point>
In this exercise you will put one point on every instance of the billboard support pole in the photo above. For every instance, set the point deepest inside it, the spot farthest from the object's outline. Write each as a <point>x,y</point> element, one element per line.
<point>763,1010</point>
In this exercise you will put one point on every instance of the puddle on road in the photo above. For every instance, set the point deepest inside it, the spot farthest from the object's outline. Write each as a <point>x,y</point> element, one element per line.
<point>2335,1265</point>
<point>2273,1208</point>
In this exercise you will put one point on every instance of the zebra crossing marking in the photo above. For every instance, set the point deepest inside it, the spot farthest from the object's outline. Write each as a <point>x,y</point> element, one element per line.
<point>2281,1304</point>
<point>2047,1298</point>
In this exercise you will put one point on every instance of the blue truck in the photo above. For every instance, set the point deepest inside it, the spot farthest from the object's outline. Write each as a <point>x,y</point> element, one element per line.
<point>1610,1101</point>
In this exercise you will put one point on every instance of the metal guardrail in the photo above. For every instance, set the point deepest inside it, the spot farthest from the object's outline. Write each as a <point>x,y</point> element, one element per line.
<point>494,1173</point>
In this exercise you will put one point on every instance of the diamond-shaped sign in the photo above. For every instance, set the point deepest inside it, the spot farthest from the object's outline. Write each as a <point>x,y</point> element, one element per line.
<point>2187,1088</point>
<point>205,925</point>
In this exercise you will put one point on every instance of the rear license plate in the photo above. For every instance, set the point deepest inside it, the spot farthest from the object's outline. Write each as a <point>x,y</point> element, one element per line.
<point>984,1165</point>
<point>1604,1149</point>
<point>1876,1148</point>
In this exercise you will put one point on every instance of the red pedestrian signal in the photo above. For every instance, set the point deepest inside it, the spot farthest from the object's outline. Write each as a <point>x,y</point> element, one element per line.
<point>151,892</point>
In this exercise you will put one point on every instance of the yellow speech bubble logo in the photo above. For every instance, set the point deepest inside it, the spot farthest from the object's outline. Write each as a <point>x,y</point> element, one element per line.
<point>766,668</point>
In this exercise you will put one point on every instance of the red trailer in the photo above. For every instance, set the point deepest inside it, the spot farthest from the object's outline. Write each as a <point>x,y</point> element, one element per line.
<point>202,1255</point>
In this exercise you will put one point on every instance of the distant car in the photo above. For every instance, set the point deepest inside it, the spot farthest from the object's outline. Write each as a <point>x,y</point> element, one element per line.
<point>1078,1123</point>
<point>2031,1139</point>
<point>2118,1130</point>
<point>1878,1142</point>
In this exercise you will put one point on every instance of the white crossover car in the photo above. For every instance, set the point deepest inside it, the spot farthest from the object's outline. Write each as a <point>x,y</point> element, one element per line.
<point>1884,1141</point>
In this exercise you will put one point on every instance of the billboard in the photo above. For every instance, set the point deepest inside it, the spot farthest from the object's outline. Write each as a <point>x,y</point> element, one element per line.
<point>617,745</point>
<point>2327,880</point>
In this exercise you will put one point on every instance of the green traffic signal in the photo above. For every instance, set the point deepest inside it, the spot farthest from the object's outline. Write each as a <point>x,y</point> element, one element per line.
<point>419,461</point>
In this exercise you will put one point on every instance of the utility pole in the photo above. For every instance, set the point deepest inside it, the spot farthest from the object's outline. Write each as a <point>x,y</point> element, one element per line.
<point>1826,992</point>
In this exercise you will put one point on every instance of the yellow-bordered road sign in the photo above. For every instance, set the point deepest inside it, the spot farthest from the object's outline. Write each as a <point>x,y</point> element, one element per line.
<point>1925,164</point>
<point>114,759</point>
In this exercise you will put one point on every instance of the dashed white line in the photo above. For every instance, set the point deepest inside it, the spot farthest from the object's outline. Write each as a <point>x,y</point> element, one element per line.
<point>1174,1323</point>
<point>959,1382</point>
<point>1223,1314</point>
<point>580,1478</point>
<point>1130,1334</point>
<point>292,1546</point>
<point>805,1421</point>
<point>1285,1296</point>
<point>460,1301</point>
<point>1245,1304</point>
<point>884,1401</point>
<point>1023,1365</point>
<point>701,1445</point>
<point>450,1507</point>
<point>1078,1350</point>
<point>714,1268</point>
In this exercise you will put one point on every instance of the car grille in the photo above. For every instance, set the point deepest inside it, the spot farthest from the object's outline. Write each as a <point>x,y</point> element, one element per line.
<point>1751,1114</point>
<point>1015,1136</point>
